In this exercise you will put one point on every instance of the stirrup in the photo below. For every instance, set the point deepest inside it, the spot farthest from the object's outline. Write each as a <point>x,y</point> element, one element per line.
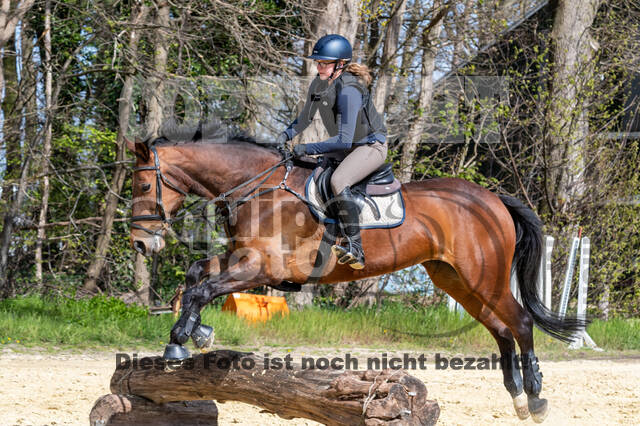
<point>346,257</point>
<point>340,252</point>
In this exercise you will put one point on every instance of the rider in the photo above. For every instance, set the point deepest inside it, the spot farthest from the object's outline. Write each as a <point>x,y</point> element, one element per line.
<point>358,134</point>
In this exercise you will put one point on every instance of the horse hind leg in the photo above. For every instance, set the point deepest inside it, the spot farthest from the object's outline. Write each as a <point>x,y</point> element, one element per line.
<point>446,278</point>
<point>520,322</point>
<point>498,298</point>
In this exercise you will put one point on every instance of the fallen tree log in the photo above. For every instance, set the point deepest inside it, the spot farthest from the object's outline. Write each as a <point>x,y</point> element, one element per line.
<point>333,397</point>
<point>125,410</point>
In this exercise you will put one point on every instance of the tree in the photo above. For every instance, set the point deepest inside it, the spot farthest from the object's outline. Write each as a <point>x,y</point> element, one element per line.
<point>46,148</point>
<point>429,46</point>
<point>12,103</point>
<point>138,16</point>
<point>386,71</point>
<point>567,122</point>
<point>153,125</point>
<point>324,22</point>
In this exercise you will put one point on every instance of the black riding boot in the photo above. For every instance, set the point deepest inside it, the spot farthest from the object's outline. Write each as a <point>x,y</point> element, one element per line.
<point>350,252</point>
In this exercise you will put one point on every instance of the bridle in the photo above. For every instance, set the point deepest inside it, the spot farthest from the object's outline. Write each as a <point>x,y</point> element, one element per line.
<point>220,201</point>
<point>161,213</point>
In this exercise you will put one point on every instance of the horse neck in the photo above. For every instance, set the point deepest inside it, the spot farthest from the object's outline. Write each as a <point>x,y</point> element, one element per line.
<point>219,167</point>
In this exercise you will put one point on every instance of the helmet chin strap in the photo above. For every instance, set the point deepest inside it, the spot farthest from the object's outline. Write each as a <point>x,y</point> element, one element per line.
<point>335,68</point>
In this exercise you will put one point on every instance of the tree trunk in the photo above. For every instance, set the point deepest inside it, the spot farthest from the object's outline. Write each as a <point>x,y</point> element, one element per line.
<point>603,302</point>
<point>17,104</point>
<point>430,37</point>
<point>11,123</point>
<point>46,148</point>
<point>334,17</point>
<point>372,40</point>
<point>9,18</point>
<point>567,121</point>
<point>304,297</point>
<point>9,224</point>
<point>156,103</point>
<point>155,90</point>
<point>328,396</point>
<point>111,199</point>
<point>397,92</point>
<point>389,53</point>
<point>142,280</point>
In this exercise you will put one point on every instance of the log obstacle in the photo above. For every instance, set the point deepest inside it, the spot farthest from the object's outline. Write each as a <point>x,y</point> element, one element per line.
<point>124,410</point>
<point>332,397</point>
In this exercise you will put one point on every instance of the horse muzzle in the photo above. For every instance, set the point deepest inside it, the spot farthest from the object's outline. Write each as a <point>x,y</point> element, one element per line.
<point>148,246</point>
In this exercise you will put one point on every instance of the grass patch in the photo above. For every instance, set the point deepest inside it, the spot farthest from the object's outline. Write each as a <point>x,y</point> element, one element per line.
<point>101,321</point>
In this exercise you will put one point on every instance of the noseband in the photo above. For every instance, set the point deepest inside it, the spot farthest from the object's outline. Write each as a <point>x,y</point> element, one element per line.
<point>161,214</point>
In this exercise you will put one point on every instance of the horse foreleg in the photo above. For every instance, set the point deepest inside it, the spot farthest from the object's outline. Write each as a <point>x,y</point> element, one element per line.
<point>203,268</point>
<point>242,275</point>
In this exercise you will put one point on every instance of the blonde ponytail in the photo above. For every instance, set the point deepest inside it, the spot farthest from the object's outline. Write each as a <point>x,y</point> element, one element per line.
<point>360,71</point>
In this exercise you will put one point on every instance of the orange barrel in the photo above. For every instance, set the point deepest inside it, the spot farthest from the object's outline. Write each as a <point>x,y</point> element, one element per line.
<point>255,307</point>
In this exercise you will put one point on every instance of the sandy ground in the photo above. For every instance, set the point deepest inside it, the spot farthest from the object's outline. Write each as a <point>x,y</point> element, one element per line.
<point>60,389</point>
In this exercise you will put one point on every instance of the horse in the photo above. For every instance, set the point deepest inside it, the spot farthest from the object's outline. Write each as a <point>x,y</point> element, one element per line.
<point>467,238</point>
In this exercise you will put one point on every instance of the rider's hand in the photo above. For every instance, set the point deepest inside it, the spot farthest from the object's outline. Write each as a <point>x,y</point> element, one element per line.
<point>300,150</point>
<point>282,139</point>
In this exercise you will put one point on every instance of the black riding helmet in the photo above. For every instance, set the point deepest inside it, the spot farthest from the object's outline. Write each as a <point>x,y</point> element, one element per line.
<point>332,47</point>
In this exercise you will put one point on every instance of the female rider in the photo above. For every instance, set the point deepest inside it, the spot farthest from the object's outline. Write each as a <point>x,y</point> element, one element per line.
<point>358,133</point>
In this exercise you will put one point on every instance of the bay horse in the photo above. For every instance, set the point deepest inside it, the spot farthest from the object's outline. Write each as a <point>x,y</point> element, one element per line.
<point>466,237</point>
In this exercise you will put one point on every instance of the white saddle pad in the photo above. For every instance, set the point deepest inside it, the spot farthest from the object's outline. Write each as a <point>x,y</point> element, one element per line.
<point>391,208</point>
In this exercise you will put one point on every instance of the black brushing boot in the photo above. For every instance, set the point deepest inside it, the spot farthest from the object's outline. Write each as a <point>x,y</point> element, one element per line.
<point>351,251</point>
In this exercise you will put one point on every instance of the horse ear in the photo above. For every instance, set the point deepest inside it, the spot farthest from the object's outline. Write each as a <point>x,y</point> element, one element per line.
<point>131,146</point>
<point>142,148</point>
<point>139,148</point>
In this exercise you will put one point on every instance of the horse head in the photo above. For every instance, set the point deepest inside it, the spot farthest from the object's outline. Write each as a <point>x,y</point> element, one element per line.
<point>156,197</point>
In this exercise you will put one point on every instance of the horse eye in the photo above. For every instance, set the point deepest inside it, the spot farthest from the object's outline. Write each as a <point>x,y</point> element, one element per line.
<point>146,187</point>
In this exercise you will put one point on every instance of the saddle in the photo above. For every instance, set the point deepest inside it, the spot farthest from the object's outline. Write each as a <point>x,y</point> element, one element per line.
<point>380,182</point>
<point>378,196</point>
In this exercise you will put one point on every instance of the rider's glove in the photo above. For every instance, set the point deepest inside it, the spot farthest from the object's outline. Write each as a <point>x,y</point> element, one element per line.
<point>300,150</point>
<point>282,139</point>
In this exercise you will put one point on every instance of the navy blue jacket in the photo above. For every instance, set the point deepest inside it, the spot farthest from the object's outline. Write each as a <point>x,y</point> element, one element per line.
<point>347,112</point>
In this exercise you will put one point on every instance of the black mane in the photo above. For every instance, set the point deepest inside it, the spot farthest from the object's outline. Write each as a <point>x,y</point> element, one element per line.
<point>215,131</point>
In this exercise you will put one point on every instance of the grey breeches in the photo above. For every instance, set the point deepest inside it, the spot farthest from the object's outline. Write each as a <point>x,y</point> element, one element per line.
<point>360,163</point>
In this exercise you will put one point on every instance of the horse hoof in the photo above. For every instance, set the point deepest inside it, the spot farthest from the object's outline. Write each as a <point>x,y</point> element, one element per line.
<point>520,404</point>
<point>175,352</point>
<point>203,337</point>
<point>538,408</point>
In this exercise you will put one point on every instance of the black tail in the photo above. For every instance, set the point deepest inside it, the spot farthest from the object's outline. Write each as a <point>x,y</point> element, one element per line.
<point>527,263</point>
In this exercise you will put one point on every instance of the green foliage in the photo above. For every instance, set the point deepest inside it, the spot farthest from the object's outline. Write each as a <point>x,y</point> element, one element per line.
<point>89,322</point>
<point>106,321</point>
<point>91,39</point>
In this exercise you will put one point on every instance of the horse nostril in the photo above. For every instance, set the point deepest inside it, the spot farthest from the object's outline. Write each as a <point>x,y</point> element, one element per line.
<point>139,247</point>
